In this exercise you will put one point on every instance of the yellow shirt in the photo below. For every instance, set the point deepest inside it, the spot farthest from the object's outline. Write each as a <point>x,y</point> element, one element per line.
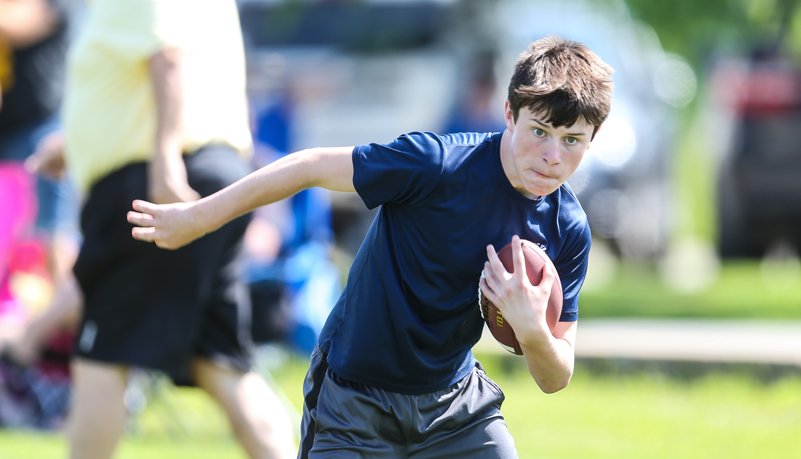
<point>109,109</point>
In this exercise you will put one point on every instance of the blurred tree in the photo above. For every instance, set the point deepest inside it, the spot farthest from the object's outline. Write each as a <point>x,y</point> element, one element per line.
<point>698,30</point>
<point>691,28</point>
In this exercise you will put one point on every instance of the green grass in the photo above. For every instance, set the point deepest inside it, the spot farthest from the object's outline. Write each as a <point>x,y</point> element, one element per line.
<point>612,416</point>
<point>177,423</point>
<point>29,445</point>
<point>642,415</point>
<point>741,290</point>
<point>647,415</point>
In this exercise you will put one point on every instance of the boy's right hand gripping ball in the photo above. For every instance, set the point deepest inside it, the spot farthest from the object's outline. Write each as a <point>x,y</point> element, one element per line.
<point>536,261</point>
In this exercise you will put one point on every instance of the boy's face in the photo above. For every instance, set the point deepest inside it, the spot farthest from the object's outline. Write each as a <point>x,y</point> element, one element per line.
<point>538,157</point>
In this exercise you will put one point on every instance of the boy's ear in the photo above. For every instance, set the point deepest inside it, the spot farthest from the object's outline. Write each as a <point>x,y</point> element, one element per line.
<point>508,115</point>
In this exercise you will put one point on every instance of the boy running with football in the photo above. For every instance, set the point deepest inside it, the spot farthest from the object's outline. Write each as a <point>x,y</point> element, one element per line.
<point>394,375</point>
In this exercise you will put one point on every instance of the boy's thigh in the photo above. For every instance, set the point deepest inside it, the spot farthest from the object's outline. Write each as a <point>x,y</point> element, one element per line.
<point>345,419</point>
<point>351,422</point>
<point>489,439</point>
<point>463,421</point>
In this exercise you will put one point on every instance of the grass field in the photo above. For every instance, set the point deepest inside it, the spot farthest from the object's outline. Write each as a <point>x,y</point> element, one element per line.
<point>645,415</point>
<point>743,289</point>
<point>625,416</point>
<point>649,416</point>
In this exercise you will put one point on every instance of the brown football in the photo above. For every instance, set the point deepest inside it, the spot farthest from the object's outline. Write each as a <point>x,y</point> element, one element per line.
<point>536,260</point>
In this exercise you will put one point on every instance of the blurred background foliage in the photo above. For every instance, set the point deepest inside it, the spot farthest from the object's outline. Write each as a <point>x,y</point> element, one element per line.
<point>693,28</point>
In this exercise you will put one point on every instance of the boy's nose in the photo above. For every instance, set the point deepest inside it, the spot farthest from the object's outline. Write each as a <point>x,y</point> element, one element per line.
<point>552,154</point>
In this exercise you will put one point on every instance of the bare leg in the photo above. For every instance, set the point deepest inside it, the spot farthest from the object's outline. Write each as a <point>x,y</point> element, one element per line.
<point>258,418</point>
<point>62,251</point>
<point>97,415</point>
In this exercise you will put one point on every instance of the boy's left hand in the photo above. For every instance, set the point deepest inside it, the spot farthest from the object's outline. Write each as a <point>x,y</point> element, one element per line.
<point>522,304</point>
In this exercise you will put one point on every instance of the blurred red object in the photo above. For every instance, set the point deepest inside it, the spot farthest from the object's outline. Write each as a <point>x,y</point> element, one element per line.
<point>758,88</point>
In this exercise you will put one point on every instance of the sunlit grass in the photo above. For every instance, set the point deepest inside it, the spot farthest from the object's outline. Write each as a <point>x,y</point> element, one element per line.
<point>649,415</point>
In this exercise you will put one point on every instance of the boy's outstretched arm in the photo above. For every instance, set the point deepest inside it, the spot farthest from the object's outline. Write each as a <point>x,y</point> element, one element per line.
<point>172,226</point>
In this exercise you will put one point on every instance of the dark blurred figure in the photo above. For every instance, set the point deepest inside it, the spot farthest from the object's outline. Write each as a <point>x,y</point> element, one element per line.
<point>759,180</point>
<point>476,108</point>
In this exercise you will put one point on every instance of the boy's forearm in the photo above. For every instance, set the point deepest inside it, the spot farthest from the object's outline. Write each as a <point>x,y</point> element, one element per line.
<point>216,210</point>
<point>274,182</point>
<point>551,365</point>
<point>174,225</point>
<point>550,356</point>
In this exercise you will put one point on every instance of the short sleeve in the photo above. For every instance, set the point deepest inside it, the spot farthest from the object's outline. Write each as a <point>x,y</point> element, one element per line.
<point>572,266</point>
<point>403,171</point>
<point>170,18</point>
<point>141,28</point>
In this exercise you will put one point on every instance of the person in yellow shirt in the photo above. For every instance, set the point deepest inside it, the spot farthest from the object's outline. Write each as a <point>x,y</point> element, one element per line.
<point>155,106</point>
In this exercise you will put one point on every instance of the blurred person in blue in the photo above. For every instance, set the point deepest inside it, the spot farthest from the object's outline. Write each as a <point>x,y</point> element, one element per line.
<point>475,110</point>
<point>299,276</point>
<point>393,374</point>
<point>156,107</point>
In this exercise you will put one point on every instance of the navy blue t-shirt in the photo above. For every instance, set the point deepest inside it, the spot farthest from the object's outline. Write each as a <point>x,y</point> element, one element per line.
<point>409,315</point>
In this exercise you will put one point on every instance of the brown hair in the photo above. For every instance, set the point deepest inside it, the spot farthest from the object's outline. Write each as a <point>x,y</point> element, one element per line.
<point>564,80</point>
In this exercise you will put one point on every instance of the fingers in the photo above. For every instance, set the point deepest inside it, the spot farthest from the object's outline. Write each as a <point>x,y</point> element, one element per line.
<point>495,265</point>
<point>140,219</point>
<point>483,287</point>
<point>145,207</point>
<point>518,259</point>
<point>489,277</point>
<point>518,268</point>
<point>548,278</point>
<point>144,219</point>
<point>144,234</point>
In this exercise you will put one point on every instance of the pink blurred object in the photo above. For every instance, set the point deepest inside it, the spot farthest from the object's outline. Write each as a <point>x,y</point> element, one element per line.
<point>18,207</point>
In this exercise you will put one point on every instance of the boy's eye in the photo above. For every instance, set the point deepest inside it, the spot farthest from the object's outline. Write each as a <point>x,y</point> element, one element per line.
<point>571,140</point>
<point>539,132</point>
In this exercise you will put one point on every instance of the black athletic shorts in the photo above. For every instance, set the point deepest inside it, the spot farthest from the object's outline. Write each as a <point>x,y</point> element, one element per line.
<point>344,419</point>
<point>157,308</point>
